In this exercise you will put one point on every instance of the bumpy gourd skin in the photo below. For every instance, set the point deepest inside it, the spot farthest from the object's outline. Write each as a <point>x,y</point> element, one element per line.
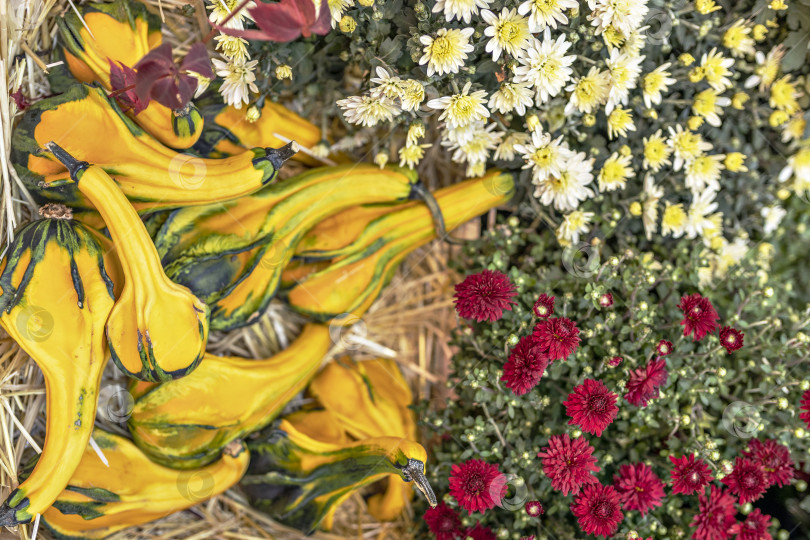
<point>157,330</point>
<point>151,175</point>
<point>54,300</point>
<point>124,32</point>
<point>101,500</point>
<point>185,423</point>
<point>300,481</point>
<point>365,264</point>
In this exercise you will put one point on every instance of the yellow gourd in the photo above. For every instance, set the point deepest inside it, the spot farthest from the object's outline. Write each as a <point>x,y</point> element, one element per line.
<point>157,329</point>
<point>55,296</point>
<point>130,489</point>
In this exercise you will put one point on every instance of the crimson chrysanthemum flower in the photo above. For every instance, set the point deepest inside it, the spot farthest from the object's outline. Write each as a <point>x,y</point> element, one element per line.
<point>715,517</point>
<point>534,508</point>
<point>606,300</point>
<point>775,459</point>
<point>477,485</point>
<point>559,337</point>
<point>526,365</point>
<point>568,463</point>
<point>753,527</point>
<point>479,532</point>
<point>484,296</point>
<point>615,361</point>
<point>664,347</point>
<point>591,406</point>
<point>643,383</point>
<point>748,480</point>
<point>638,487</point>
<point>805,406</point>
<point>689,474</point>
<point>544,307</point>
<point>699,316</point>
<point>731,339</point>
<point>598,510</point>
<point>443,522</point>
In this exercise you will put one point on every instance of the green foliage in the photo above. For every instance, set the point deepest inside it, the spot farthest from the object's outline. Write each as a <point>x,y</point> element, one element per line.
<point>712,403</point>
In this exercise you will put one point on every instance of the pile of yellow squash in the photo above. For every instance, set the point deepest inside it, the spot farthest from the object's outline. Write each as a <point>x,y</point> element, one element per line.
<point>159,227</point>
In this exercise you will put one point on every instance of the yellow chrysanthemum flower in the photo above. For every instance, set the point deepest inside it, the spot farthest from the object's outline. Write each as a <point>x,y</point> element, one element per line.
<point>784,95</point>
<point>707,104</point>
<point>777,118</point>
<point>738,39</point>
<point>674,220</point>
<point>735,162</point>
<point>590,91</point>
<point>716,69</point>
<point>620,122</point>
<point>656,152</point>
<point>656,83</point>
<point>778,5</point>
<point>760,32</point>
<point>615,172</point>
<point>411,154</point>
<point>635,208</point>
<point>686,59</point>
<point>739,99</point>
<point>694,122</point>
<point>794,130</point>
<point>704,7</point>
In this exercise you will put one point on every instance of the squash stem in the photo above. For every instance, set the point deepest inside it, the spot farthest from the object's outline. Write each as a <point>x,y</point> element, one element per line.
<point>72,164</point>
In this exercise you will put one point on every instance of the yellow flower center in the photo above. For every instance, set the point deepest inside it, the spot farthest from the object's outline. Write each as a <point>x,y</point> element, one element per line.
<point>674,216</point>
<point>613,172</point>
<point>508,31</point>
<point>441,48</point>
<point>655,150</point>
<point>653,82</point>
<point>543,156</point>
<point>545,6</point>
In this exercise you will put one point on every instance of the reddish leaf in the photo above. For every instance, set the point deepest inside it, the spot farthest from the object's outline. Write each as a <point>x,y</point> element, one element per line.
<point>159,78</point>
<point>285,21</point>
<point>21,101</point>
<point>122,81</point>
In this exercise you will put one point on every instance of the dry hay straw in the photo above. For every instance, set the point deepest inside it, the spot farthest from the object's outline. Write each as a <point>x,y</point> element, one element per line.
<point>412,320</point>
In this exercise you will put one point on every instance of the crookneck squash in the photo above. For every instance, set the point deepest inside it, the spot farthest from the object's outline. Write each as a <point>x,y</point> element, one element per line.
<point>228,131</point>
<point>157,330</point>
<point>369,399</point>
<point>132,490</point>
<point>123,32</point>
<point>364,266</point>
<point>185,423</point>
<point>300,481</point>
<point>55,296</point>
<point>149,173</point>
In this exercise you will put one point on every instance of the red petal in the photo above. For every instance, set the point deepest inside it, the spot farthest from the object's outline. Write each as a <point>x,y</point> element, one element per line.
<point>323,24</point>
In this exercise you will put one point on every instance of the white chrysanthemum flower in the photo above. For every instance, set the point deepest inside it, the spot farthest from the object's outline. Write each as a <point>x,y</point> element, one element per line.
<point>463,10</point>
<point>738,39</point>
<point>656,152</point>
<point>709,105</point>
<point>232,47</point>
<point>773,217</point>
<point>569,188</point>
<point>477,149</point>
<point>731,253</point>
<point>461,135</point>
<point>703,173</point>
<point>508,32</point>
<point>589,91</point>
<point>546,157</point>
<point>624,73</point>
<point>615,172</point>
<point>573,225</point>
<point>368,110</point>
<point>387,85</point>
<point>798,168</point>
<point>619,122</point>
<point>686,145</point>
<point>411,154</point>
<point>461,110</point>
<point>545,66</point>
<point>476,169</point>
<point>512,97</point>
<point>222,9</point>
<point>413,94</point>
<point>649,208</point>
<point>446,52</point>
<point>715,68</point>
<point>697,217</point>
<point>546,13</point>
<point>767,68</point>
<point>506,150</point>
<point>238,80</point>
<point>635,42</point>
<point>623,15</point>
<point>655,83</point>
<point>337,8</point>
<point>415,132</point>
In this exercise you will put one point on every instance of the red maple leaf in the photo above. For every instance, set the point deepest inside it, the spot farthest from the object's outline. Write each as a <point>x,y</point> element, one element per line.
<point>285,21</point>
<point>158,77</point>
<point>122,82</point>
